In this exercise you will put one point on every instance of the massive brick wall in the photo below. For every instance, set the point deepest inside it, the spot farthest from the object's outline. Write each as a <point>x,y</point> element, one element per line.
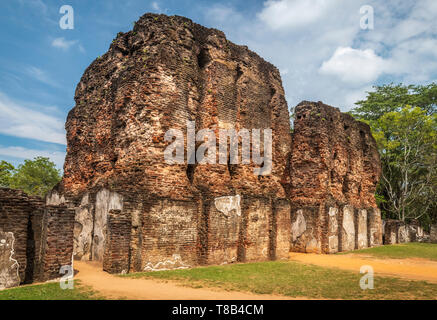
<point>43,234</point>
<point>334,169</point>
<point>164,73</point>
<point>169,71</point>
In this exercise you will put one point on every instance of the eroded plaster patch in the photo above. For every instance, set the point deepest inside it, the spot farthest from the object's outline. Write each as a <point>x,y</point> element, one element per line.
<point>9,273</point>
<point>299,226</point>
<point>228,204</point>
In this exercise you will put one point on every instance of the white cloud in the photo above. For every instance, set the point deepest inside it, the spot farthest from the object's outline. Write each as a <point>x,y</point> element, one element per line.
<point>20,121</point>
<point>353,65</point>
<point>293,13</point>
<point>155,6</point>
<point>38,4</point>
<point>41,76</point>
<point>322,52</point>
<point>223,15</point>
<point>57,157</point>
<point>63,44</point>
<point>82,49</point>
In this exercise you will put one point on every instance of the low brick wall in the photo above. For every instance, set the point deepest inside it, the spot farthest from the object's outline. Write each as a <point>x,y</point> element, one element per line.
<point>433,233</point>
<point>331,228</point>
<point>396,231</point>
<point>43,234</point>
<point>116,257</point>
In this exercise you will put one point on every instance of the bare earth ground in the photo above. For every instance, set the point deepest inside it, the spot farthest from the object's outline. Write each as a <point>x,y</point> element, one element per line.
<point>113,287</point>
<point>410,269</point>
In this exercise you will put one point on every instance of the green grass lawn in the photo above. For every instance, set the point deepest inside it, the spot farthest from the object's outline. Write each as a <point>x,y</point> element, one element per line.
<point>401,251</point>
<point>295,280</point>
<point>49,291</point>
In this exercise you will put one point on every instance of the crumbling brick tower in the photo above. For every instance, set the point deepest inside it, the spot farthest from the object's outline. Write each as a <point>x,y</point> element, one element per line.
<point>137,212</point>
<point>164,73</point>
<point>334,169</point>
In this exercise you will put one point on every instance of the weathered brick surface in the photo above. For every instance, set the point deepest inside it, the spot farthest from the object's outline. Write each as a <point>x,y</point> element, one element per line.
<point>334,168</point>
<point>281,229</point>
<point>57,241</point>
<point>169,71</point>
<point>306,229</point>
<point>43,234</point>
<point>9,276</point>
<point>117,244</point>
<point>396,231</point>
<point>433,233</point>
<point>165,72</point>
<point>374,224</point>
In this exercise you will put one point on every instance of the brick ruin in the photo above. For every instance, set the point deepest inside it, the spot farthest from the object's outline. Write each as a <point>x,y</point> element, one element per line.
<point>334,169</point>
<point>396,231</point>
<point>433,233</point>
<point>35,239</point>
<point>135,212</point>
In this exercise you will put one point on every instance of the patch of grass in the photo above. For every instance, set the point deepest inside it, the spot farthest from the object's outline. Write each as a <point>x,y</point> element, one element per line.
<point>49,291</point>
<point>295,280</point>
<point>401,251</point>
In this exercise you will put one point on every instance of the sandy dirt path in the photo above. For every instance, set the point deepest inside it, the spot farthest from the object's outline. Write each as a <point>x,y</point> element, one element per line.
<point>113,287</point>
<point>411,269</point>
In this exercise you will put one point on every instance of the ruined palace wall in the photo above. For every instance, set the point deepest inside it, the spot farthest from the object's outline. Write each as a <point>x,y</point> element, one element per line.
<point>433,233</point>
<point>15,209</point>
<point>117,245</point>
<point>169,73</point>
<point>334,169</point>
<point>43,234</point>
<point>165,73</point>
<point>57,238</point>
<point>396,231</point>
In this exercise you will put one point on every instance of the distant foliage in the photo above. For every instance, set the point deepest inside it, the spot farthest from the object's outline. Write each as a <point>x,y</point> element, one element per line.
<point>6,172</point>
<point>403,120</point>
<point>35,177</point>
<point>392,98</point>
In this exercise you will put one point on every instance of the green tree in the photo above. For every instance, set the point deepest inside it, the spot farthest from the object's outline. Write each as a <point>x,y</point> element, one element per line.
<point>6,171</point>
<point>391,98</point>
<point>403,120</point>
<point>408,149</point>
<point>36,177</point>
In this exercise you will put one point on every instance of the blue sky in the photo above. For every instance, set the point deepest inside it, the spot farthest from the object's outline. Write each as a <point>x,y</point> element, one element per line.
<point>318,45</point>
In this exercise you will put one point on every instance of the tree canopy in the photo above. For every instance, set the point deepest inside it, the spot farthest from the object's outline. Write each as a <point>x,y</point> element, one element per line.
<point>35,177</point>
<point>6,171</point>
<point>403,120</point>
<point>392,98</point>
